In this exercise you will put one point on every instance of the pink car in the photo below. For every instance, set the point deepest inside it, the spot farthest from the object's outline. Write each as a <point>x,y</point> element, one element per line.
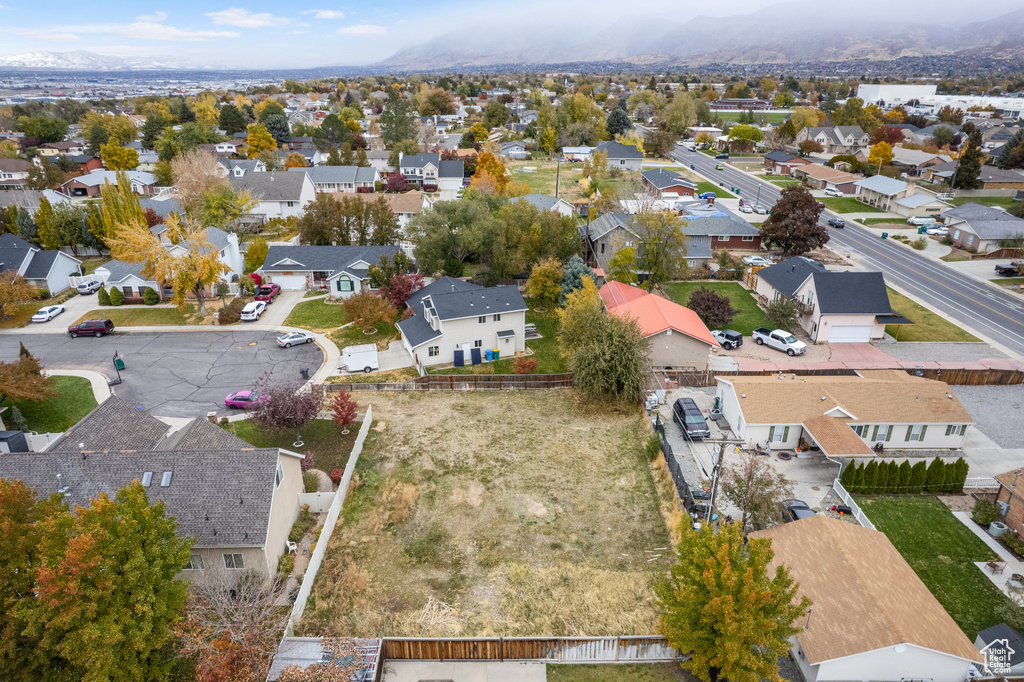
<point>244,399</point>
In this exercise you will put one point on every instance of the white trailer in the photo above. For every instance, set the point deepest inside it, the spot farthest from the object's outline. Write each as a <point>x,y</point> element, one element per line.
<point>362,358</point>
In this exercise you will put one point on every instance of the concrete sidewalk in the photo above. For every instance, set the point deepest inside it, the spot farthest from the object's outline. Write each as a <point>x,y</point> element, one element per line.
<point>999,553</point>
<point>867,356</point>
<point>100,390</point>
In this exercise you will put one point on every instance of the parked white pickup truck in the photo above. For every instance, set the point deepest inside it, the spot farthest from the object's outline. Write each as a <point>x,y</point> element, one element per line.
<point>779,340</point>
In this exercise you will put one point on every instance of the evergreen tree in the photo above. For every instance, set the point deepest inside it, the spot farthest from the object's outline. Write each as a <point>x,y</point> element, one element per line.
<point>361,159</point>
<point>870,478</point>
<point>936,478</point>
<point>918,476</point>
<point>396,122</point>
<point>231,120</point>
<point>969,168</point>
<point>186,115</point>
<point>904,477</point>
<point>858,482</point>
<point>347,157</point>
<point>152,129</point>
<point>894,478</point>
<point>277,126</point>
<point>27,228</point>
<point>882,478</point>
<point>333,159</point>
<point>575,271</point>
<point>848,479</point>
<point>618,122</point>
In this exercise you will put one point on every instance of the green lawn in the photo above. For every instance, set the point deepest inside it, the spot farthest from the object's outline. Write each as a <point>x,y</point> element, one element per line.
<point>781,180</point>
<point>927,326</point>
<point>322,437</point>
<point>1009,281</point>
<point>649,672</point>
<point>848,205</point>
<point>73,401</point>
<point>1004,202</point>
<point>749,317</point>
<point>352,335</point>
<point>545,350</point>
<point>138,316</point>
<point>941,550</point>
<point>318,316</point>
<point>89,265</point>
<point>881,221</point>
<point>771,117</point>
<point>720,192</point>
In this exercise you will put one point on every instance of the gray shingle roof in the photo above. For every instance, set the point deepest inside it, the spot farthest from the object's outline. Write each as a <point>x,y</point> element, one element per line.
<point>993,174</point>
<point>662,178</point>
<point>786,276</point>
<point>606,222</point>
<point>985,221</point>
<point>719,225</point>
<point>882,185</point>
<point>617,150</point>
<point>39,266</point>
<point>541,202</point>
<point>851,293</point>
<point>163,207</point>
<point>417,330</point>
<point>698,248</point>
<point>113,425</point>
<point>450,169</point>
<point>338,174</point>
<point>12,258</point>
<point>13,241</point>
<point>421,159</point>
<point>779,156</point>
<point>482,301</point>
<point>200,434</point>
<point>247,165</point>
<point>119,270</point>
<point>217,237</point>
<point>443,285</point>
<point>1013,640</point>
<point>275,186</point>
<point>331,259</point>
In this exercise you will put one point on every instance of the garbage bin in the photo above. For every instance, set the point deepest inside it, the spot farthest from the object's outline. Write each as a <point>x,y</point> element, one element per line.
<point>885,235</point>
<point>997,528</point>
<point>119,363</point>
<point>489,355</point>
<point>922,230</point>
<point>497,355</point>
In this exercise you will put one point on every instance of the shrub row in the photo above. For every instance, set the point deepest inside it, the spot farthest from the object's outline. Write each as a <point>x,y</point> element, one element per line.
<point>879,477</point>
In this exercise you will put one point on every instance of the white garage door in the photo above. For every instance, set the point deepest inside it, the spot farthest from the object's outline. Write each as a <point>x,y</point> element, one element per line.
<point>850,334</point>
<point>292,282</point>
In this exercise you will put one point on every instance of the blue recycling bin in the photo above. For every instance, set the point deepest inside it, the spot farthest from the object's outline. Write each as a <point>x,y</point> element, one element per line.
<point>489,354</point>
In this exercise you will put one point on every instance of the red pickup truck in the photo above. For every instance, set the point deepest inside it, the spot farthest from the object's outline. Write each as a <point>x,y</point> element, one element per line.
<point>268,292</point>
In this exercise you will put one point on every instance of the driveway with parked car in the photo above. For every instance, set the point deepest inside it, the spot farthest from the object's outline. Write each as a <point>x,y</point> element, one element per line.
<point>173,374</point>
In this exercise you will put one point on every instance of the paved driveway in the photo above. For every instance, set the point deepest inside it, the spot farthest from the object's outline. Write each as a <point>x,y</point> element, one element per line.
<point>173,374</point>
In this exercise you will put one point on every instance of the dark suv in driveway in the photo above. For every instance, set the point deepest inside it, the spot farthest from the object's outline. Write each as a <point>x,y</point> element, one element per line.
<point>794,510</point>
<point>91,328</point>
<point>690,419</point>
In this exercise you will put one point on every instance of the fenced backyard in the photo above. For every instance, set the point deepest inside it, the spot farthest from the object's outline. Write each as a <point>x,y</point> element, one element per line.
<point>645,649</point>
<point>465,382</point>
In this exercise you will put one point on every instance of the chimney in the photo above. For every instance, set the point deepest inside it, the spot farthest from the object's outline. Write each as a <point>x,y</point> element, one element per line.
<point>911,186</point>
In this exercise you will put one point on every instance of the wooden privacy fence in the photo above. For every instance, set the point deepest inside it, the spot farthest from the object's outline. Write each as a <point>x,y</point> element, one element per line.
<point>641,648</point>
<point>466,382</point>
<point>953,377</point>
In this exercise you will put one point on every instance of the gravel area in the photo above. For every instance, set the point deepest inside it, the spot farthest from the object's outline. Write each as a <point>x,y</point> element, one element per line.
<point>820,352</point>
<point>789,670</point>
<point>938,352</point>
<point>831,500</point>
<point>705,398</point>
<point>998,412</point>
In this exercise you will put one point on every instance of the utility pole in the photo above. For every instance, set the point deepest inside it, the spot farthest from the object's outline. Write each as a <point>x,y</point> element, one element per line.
<point>716,472</point>
<point>558,166</point>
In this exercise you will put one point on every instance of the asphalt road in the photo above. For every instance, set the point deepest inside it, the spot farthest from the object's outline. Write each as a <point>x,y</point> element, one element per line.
<point>983,309</point>
<point>173,374</point>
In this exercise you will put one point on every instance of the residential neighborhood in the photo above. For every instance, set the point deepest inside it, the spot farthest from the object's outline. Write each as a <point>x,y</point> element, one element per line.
<point>462,363</point>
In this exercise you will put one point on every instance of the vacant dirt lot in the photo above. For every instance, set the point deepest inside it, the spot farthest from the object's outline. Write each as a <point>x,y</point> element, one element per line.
<point>495,513</point>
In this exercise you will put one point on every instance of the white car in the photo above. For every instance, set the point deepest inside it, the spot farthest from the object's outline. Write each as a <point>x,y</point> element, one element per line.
<point>760,210</point>
<point>833,192</point>
<point>252,311</point>
<point>48,313</point>
<point>746,208</point>
<point>920,220</point>
<point>757,261</point>
<point>938,230</point>
<point>294,338</point>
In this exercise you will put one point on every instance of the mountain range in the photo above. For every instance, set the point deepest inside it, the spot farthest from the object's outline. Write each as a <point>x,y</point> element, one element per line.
<point>82,60</point>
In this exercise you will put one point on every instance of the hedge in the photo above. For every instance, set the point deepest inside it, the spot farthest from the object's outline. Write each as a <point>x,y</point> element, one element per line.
<point>878,477</point>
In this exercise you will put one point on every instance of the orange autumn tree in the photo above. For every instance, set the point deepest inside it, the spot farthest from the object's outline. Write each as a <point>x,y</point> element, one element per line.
<point>490,171</point>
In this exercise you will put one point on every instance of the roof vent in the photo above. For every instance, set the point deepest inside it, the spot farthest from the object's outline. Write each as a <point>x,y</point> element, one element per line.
<point>822,397</point>
<point>165,480</point>
<point>743,395</point>
<point>147,478</point>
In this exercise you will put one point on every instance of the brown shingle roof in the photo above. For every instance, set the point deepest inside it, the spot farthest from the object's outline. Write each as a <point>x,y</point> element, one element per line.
<point>406,202</point>
<point>835,437</point>
<point>825,173</point>
<point>866,597</point>
<point>878,396</point>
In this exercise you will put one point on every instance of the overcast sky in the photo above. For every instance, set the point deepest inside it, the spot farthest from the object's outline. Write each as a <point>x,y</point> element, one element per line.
<point>264,34</point>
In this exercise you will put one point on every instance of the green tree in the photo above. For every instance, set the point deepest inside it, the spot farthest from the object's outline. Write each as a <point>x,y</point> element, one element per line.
<point>611,362</point>
<point>331,133</point>
<point>622,266</point>
<point>361,159</point>
<point>396,120</point>
<point>618,122</point>
<point>680,114</point>
<point>870,478</point>
<point>402,147</point>
<point>270,108</point>
<point>573,275</point>
<point>754,487</point>
<point>277,126</point>
<point>231,120</point>
<point>793,225</point>
<point>27,228</point>
<point>221,206</point>
<point>968,169</point>
<point>152,129</point>
<point>662,246</point>
<point>782,313</point>
<point>723,606</point>
<point>936,477</point>
<point>745,136</point>
<point>45,222</point>
<point>43,128</point>
<point>545,283</point>
<point>334,159</point>
<point>858,485</point>
<point>918,476</point>
<point>848,479</point>
<point>882,478</point>
<point>495,115</point>
<point>382,223</point>
<point>452,231</point>
<point>322,221</point>
<point>904,477</point>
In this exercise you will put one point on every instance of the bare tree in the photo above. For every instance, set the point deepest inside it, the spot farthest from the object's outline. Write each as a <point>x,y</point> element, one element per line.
<point>757,489</point>
<point>233,624</point>
<point>342,663</point>
<point>195,173</point>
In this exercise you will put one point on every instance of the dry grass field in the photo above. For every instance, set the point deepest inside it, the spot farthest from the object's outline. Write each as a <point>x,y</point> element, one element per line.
<point>496,514</point>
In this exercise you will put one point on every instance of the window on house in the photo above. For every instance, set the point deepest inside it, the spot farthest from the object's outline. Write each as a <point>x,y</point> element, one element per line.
<point>622,162</point>
<point>195,563</point>
<point>778,434</point>
<point>956,429</point>
<point>916,432</point>
<point>147,477</point>
<point>234,561</point>
<point>344,284</point>
<point>602,248</point>
<point>969,240</point>
<point>434,351</point>
<point>478,343</point>
<point>280,475</point>
<point>482,319</point>
<point>748,239</point>
<point>860,429</point>
<point>881,433</point>
<point>496,318</point>
<point>127,291</point>
<point>165,480</point>
<point>290,204</point>
<point>629,244</point>
<point>956,234</point>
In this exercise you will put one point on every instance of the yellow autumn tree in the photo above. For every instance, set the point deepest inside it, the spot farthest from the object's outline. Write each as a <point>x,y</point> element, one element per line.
<point>881,154</point>
<point>487,164</point>
<point>259,140</point>
<point>188,268</point>
<point>117,158</point>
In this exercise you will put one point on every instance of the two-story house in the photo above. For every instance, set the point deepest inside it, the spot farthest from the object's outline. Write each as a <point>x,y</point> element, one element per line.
<point>47,270</point>
<point>236,502</point>
<point>14,173</point>
<point>836,139</point>
<point>341,271</point>
<point>835,307</point>
<point>346,179</point>
<point>236,168</point>
<point>280,194</point>
<point>723,231</point>
<point>609,232</point>
<point>457,322</point>
<point>429,173</point>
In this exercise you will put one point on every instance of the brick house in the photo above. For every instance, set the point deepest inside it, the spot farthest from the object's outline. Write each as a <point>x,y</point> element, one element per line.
<point>782,163</point>
<point>668,185</point>
<point>1011,500</point>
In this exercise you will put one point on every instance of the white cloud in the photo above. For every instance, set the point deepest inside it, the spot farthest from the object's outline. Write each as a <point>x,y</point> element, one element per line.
<point>236,16</point>
<point>54,34</point>
<point>297,33</point>
<point>155,17</point>
<point>325,13</point>
<point>146,30</point>
<point>362,30</point>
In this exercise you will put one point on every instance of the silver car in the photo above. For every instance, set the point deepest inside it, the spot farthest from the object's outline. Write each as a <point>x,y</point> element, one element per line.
<point>294,338</point>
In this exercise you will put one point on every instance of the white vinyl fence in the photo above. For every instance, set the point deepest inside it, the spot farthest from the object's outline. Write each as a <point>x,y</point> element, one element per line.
<point>847,498</point>
<point>332,520</point>
<point>981,482</point>
<point>318,501</point>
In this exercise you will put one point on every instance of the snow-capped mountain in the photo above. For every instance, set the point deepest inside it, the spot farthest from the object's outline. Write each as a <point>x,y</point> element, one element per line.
<point>81,60</point>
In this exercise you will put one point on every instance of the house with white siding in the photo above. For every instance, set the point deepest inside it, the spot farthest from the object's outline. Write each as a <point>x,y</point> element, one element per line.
<point>44,269</point>
<point>279,194</point>
<point>346,179</point>
<point>341,271</point>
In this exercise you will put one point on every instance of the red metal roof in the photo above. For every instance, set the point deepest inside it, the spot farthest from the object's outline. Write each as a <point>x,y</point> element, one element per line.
<point>654,313</point>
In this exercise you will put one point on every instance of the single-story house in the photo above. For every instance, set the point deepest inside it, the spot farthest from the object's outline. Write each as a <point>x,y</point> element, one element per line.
<point>345,179</point>
<point>63,148</point>
<point>280,194</point>
<point>667,185</point>
<point>723,231</point>
<point>881,191</point>
<point>457,322</point>
<point>844,415</point>
<point>914,161</point>
<point>992,177</point>
<point>621,156</point>
<point>516,149</point>
<point>835,307</point>
<point>91,184</point>
<point>577,153</point>
<point>47,270</point>
<point>872,619</point>
<point>978,227</point>
<point>14,173</point>
<point>128,278</point>
<point>340,270</point>
<point>678,338</point>
<point>236,502</point>
<point>782,163</point>
<point>28,199</point>
<point>1003,649</point>
<point>835,139</point>
<point>920,203</point>
<point>822,177</point>
<point>222,148</point>
<point>428,172</point>
<point>544,202</point>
